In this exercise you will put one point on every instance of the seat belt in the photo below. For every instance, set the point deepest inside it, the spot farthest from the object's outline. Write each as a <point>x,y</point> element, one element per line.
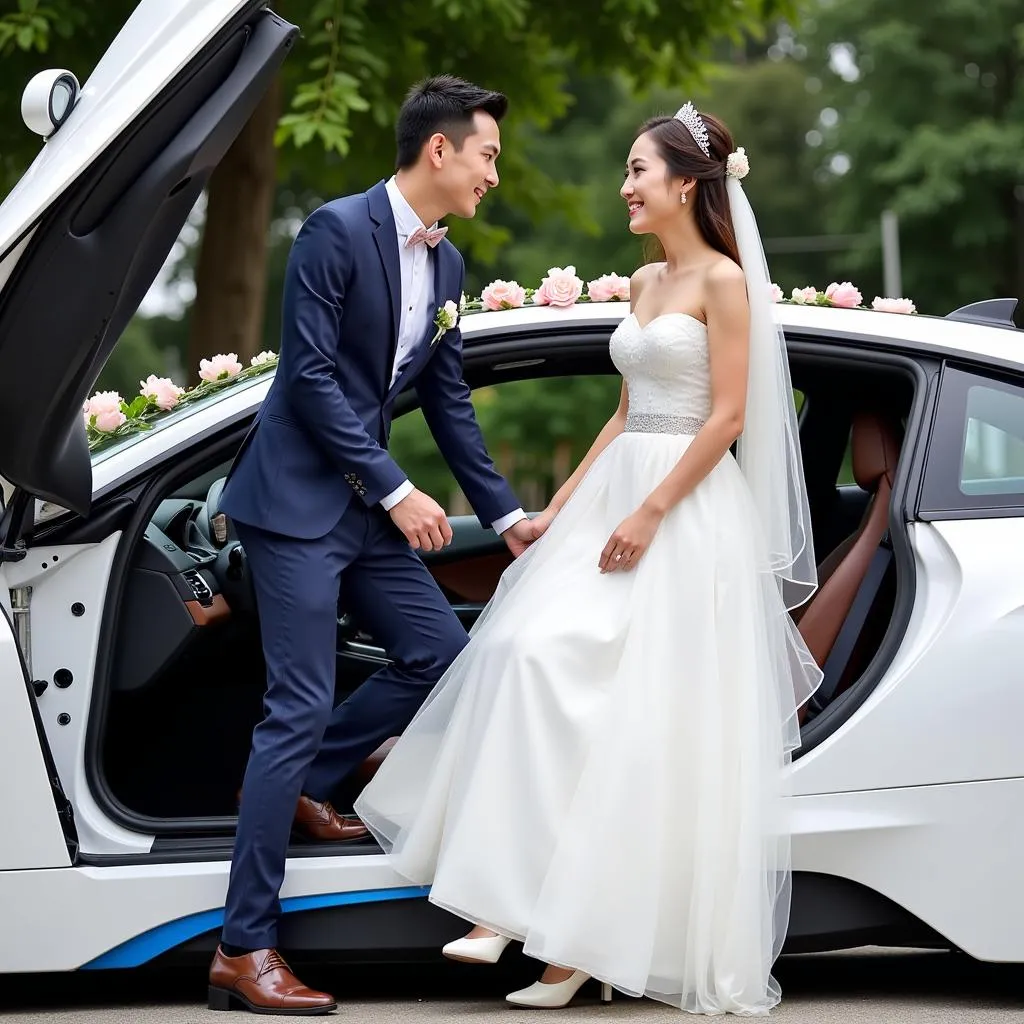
<point>842,649</point>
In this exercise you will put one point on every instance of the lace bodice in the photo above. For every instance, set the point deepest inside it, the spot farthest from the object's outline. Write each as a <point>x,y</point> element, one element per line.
<point>665,365</point>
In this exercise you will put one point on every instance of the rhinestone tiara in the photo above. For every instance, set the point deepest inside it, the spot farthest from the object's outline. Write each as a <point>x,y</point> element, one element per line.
<point>687,113</point>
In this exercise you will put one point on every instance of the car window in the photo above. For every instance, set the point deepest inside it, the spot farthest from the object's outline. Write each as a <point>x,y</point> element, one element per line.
<point>536,431</point>
<point>976,454</point>
<point>993,452</point>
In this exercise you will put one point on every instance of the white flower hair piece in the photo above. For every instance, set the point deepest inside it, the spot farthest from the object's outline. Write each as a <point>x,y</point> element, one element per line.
<point>737,165</point>
<point>694,123</point>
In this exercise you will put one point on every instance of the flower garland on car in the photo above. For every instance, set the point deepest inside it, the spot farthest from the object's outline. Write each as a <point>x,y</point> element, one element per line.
<point>108,417</point>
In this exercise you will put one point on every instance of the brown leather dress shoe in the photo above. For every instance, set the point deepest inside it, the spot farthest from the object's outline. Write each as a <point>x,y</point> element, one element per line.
<point>320,821</point>
<point>263,983</point>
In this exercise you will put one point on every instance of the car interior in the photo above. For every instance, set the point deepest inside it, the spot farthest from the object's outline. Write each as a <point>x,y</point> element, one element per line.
<point>187,673</point>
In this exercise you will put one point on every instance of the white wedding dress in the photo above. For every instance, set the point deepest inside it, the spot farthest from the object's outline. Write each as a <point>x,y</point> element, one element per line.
<point>601,773</point>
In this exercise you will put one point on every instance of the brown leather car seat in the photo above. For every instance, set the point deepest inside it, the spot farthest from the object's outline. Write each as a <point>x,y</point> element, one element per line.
<point>875,442</point>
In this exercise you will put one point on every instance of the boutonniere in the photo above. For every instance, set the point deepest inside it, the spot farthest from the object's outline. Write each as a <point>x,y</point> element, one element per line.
<point>447,317</point>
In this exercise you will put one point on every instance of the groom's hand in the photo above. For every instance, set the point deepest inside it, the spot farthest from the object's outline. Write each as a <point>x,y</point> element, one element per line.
<point>519,536</point>
<point>422,521</point>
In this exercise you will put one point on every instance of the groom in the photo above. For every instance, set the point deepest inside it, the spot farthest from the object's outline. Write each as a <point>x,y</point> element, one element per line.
<point>322,509</point>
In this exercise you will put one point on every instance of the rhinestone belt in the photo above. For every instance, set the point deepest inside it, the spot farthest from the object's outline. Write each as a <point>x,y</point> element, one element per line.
<point>662,423</point>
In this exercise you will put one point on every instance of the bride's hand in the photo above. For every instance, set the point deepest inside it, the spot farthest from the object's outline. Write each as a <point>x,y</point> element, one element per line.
<point>542,521</point>
<point>627,544</point>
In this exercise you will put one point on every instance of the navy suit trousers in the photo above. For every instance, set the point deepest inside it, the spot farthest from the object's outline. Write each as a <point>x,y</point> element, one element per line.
<point>304,744</point>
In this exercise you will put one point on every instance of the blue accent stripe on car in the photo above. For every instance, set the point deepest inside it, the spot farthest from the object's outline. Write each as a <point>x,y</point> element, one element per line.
<point>145,947</point>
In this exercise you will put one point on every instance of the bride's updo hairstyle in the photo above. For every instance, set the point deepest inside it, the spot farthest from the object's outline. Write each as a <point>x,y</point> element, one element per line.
<point>685,159</point>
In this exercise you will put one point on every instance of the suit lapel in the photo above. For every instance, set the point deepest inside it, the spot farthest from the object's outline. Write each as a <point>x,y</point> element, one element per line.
<point>386,237</point>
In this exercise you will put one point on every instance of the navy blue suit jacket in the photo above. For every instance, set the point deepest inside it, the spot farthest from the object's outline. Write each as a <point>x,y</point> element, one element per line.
<point>320,437</point>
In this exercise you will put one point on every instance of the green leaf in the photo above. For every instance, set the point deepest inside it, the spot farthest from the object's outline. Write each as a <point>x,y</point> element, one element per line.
<point>137,407</point>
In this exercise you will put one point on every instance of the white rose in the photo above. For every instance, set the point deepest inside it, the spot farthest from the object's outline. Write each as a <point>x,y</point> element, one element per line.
<point>737,165</point>
<point>449,315</point>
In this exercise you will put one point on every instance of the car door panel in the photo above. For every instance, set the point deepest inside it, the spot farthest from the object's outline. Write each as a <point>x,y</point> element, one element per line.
<point>32,833</point>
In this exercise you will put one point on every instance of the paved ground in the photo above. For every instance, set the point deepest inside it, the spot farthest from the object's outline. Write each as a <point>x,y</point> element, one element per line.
<point>864,987</point>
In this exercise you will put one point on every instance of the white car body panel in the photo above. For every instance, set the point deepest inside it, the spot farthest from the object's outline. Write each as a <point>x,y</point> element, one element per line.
<point>950,705</point>
<point>103,908</point>
<point>31,836</point>
<point>61,577</point>
<point>948,854</point>
<point>875,330</point>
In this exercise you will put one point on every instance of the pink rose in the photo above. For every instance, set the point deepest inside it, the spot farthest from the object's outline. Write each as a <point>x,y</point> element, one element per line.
<point>103,411</point>
<point>608,288</point>
<point>503,295</point>
<point>221,367</point>
<point>844,295</point>
<point>161,390</point>
<point>893,305</point>
<point>775,293</point>
<point>805,296</point>
<point>560,288</point>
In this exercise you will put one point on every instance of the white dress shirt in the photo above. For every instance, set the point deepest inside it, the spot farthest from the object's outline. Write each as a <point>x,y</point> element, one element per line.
<point>417,296</point>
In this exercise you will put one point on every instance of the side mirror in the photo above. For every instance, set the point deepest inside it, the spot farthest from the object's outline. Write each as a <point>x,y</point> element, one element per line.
<point>48,99</point>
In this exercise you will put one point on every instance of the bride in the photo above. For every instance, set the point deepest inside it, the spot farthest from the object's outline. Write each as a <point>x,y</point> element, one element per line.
<point>601,773</point>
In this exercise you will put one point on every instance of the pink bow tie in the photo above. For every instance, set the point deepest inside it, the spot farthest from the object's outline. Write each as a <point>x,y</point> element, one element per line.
<point>423,235</point>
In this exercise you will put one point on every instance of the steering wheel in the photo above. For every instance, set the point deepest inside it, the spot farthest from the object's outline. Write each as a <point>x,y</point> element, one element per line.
<point>231,567</point>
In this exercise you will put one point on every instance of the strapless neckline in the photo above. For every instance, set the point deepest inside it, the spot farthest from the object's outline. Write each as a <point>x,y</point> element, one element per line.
<point>662,316</point>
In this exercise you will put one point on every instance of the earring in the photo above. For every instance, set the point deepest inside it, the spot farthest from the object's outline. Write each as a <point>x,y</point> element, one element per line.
<point>682,196</point>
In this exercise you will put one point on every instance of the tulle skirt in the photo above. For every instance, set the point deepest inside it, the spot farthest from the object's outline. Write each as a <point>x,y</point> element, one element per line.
<point>602,772</point>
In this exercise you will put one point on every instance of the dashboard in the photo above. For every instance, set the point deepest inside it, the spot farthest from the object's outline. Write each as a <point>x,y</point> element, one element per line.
<point>184,583</point>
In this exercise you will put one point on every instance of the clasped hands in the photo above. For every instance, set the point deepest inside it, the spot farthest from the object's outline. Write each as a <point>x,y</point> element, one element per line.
<point>425,525</point>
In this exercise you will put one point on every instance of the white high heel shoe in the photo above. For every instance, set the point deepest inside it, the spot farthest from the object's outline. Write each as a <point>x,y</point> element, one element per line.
<point>484,950</point>
<point>555,995</point>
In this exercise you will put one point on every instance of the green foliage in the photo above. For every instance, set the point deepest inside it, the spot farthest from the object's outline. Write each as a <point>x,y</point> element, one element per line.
<point>356,60</point>
<point>322,106</point>
<point>930,105</point>
<point>29,28</point>
<point>136,358</point>
<point>44,34</point>
<point>537,431</point>
<point>769,111</point>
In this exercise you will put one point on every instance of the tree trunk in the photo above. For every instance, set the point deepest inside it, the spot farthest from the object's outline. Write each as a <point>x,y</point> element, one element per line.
<point>231,272</point>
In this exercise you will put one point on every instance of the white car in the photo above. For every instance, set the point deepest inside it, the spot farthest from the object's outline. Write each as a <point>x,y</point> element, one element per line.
<point>130,666</point>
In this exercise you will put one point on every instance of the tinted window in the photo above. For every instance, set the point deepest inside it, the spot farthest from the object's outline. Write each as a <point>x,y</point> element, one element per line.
<point>993,452</point>
<point>976,453</point>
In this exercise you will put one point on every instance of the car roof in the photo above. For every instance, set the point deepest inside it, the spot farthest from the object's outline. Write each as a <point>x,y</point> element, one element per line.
<point>933,335</point>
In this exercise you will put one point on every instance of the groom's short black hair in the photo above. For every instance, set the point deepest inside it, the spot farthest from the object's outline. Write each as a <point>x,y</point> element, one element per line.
<point>446,104</point>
